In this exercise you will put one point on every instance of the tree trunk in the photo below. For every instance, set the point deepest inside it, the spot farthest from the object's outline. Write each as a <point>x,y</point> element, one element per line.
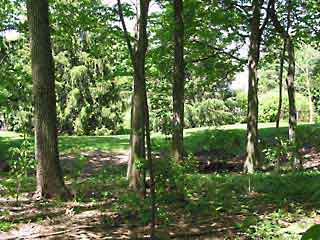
<point>291,73</point>
<point>297,163</point>
<point>178,83</point>
<point>50,182</point>
<point>138,101</point>
<point>151,171</point>
<point>252,153</point>
<point>283,52</point>
<point>291,92</point>
<point>137,136</point>
<point>311,117</point>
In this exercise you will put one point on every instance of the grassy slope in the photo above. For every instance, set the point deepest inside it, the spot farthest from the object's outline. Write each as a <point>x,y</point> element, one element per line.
<point>195,139</point>
<point>262,206</point>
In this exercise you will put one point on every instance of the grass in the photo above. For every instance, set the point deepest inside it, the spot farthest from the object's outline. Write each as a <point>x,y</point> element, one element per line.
<point>5,226</point>
<point>266,205</point>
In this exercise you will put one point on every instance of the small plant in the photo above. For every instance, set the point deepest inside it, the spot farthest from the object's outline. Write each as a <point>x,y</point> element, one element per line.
<point>283,151</point>
<point>21,163</point>
<point>190,164</point>
<point>5,225</point>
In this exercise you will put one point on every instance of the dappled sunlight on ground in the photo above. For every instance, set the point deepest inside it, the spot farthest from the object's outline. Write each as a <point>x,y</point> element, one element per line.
<point>221,204</point>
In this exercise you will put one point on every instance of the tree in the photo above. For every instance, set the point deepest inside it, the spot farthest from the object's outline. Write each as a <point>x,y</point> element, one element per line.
<point>282,56</point>
<point>140,125</point>
<point>291,66</point>
<point>252,153</point>
<point>138,58</point>
<point>50,183</point>
<point>178,82</point>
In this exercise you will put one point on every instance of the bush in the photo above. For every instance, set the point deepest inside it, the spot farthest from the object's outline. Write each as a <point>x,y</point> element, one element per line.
<point>268,106</point>
<point>210,112</point>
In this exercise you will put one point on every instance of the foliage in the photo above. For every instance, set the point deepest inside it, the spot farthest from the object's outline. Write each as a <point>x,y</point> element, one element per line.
<point>280,153</point>
<point>21,163</point>
<point>274,203</point>
<point>210,112</point>
<point>268,107</point>
<point>5,225</point>
<point>312,233</point>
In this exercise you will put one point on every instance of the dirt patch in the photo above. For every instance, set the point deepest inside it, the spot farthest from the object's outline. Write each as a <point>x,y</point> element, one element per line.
<point>92,161</point>
<point>311,157</point>
<point>208,161</point>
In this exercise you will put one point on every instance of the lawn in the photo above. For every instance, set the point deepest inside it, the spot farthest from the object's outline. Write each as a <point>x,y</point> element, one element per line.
<point>211,205</point>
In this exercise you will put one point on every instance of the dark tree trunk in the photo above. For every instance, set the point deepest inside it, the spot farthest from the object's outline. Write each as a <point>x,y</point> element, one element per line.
<point>283,52</point>
<point>137,130</point>
<point>50,182</point>
<point>178,83</point>
<point>252,153</point>
<point>151,171</point>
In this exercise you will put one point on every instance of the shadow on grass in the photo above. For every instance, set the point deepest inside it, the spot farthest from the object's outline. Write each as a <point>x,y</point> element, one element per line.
<point>226,143</point>
<point>105,143</point>
<point>215,205</point>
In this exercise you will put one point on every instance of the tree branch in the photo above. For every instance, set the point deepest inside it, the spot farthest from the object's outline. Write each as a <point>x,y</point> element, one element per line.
<point>215,54</point>
<point>126,33</point>
<point>276,23</point>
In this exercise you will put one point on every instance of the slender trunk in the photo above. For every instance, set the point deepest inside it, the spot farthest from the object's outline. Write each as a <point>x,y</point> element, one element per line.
<point>290,78</point>
<point>283,52</point>
<point>291,92</point>
<point>291,73</point>
<point>50,182</point>
<point>297,163</point>
<point>138,56</point>
<point>178,83</point>
<point>151,171</point>
<point>311,118</point>
<point>290,83</point>
<point>252,153</point>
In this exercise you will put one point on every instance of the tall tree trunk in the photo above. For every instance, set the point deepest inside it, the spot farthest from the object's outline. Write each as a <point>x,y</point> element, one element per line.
<point>283,52</point>
<point>140,123</point>
<point>297,163</point>
<point>50,182</point>
<point>252,153</point>
<point>291,73</point>
<point>138,57</point>
<point>137,135</point>
<point>311,113</point>
<point>151,171</point>
<point>291,92</point>
<point>178,83</point>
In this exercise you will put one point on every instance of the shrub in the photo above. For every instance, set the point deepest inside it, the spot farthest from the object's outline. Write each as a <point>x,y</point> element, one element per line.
<point>268,106</point>
<point>210,112</point>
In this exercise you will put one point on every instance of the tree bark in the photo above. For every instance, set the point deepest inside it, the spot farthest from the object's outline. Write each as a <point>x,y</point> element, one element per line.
<point>151,171</point>
<point>138,57</point>
<point>291,67</point>
<point>291,92</point>
<point>252,153</point>
<point>178,82</point>
<point>50,182</point>
<point>311,113</point>
<point>283,52</point>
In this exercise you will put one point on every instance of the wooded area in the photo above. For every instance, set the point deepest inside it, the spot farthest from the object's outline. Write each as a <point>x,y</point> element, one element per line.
<point>155,119</point>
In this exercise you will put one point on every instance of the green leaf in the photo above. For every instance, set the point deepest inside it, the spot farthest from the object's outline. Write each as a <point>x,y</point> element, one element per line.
<point>313,233</point>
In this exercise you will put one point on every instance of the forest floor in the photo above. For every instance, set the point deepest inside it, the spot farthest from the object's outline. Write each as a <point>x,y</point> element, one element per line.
<point>219,202</point>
